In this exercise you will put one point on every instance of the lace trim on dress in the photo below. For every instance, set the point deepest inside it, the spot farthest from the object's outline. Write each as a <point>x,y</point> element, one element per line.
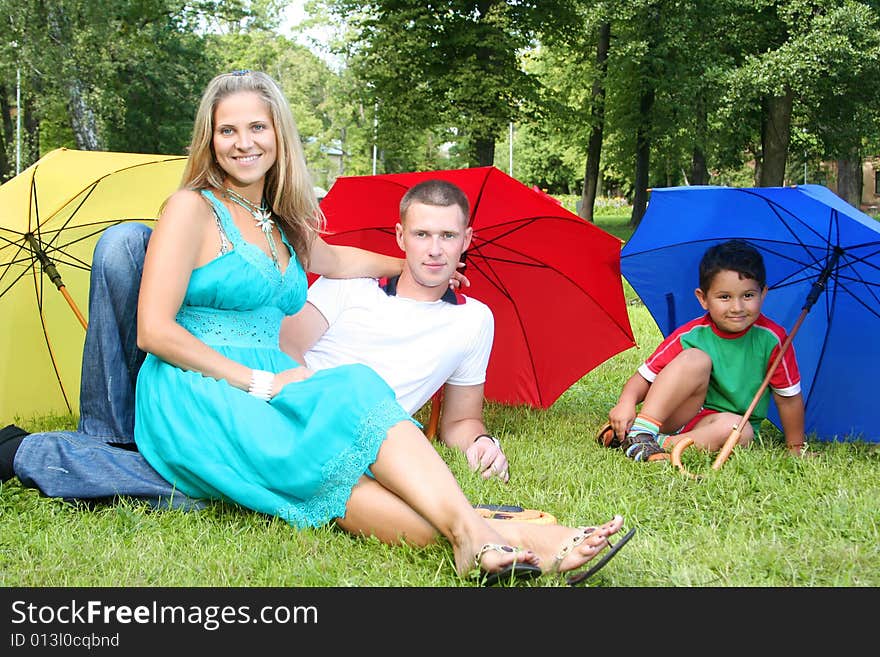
<point>224,241</point>
<point>341,474</point>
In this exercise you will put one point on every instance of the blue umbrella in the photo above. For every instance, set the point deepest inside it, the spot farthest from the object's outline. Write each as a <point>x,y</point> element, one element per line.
<point>823,273</point>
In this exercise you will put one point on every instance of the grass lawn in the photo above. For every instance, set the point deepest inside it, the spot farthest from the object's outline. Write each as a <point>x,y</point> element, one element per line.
<point>764,520</point>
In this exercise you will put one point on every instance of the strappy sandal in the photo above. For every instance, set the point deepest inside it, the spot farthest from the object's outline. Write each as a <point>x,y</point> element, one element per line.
<point>643,447</point>
<point>582,577</point>
<point>607,438</point>
<point>583,534</point>
<point>515,572</point>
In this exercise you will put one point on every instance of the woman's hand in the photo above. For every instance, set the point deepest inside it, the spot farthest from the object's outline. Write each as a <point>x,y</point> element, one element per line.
<point>292,375</point>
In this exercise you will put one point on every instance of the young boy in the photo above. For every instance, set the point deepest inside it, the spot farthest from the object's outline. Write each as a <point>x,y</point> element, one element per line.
<point>702,378</point>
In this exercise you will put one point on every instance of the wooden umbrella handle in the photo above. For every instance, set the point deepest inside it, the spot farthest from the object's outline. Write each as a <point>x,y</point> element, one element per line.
<point>434,421</point>
<point>675,457</point>
<point>723,454</point>
<point>73,306</point>
<point>734,436</point>
<point>729,444</point>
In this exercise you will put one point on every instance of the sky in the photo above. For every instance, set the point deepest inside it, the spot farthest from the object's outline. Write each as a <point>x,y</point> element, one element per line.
<point>293,14</point>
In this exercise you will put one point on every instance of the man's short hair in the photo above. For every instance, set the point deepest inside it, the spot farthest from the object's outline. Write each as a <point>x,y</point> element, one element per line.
<point>733,255</point>
<point>435,191</point>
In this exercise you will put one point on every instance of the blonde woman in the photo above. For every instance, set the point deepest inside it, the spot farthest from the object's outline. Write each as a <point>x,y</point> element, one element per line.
<point>221,411</point>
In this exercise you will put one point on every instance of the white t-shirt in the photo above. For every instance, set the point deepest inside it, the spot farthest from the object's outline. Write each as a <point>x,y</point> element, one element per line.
<point>416,346</point>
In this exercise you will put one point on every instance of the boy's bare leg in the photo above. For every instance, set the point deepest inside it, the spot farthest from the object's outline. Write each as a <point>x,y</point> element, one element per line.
<point>712,432</point>
<point>678,392</point>
<point>677,395</point>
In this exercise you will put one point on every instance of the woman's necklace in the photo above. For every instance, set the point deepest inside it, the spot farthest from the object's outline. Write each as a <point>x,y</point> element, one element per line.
<point>262,216</point>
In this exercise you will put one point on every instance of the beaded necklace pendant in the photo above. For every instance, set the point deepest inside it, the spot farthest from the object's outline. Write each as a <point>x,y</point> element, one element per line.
<point>262,217</point>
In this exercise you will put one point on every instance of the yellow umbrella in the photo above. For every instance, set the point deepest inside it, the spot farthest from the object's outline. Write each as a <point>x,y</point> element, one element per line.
<point>51,216</point>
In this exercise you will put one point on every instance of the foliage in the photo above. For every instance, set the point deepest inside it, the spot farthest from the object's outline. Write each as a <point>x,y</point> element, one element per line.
<point>710,66</point>
<point>441,65</point>
<point>407,85</point>
<point>120,75</point>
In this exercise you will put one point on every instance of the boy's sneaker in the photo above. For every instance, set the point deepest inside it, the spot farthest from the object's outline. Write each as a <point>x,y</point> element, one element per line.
<point>643,447</point>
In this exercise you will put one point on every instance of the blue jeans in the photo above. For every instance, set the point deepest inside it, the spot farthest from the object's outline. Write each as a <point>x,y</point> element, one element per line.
<point>100,459</point>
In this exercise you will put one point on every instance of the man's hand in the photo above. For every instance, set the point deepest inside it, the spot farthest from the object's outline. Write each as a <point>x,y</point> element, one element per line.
<point>486,457</point>
<point>459,279</point>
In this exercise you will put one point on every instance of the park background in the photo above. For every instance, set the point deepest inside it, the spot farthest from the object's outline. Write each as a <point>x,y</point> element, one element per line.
<point>597,99</point>
<point>594,102</point>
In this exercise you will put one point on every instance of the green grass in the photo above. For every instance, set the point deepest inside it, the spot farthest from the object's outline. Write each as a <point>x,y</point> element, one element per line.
<point>763,520</point>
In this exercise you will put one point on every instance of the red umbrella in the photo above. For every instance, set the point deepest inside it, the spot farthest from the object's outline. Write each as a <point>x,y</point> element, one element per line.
<point>551,279</point>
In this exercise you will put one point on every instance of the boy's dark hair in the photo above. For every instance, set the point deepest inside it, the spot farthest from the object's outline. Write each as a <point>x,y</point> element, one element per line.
<point>732,255</point>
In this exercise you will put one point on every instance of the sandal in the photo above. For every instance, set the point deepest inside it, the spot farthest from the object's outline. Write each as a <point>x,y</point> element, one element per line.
<point>607,438</point>
<point>643,447</point>
<point>573,542</point>
<point>517,571</point>
<point>582,577</point>
<point>517,513</point>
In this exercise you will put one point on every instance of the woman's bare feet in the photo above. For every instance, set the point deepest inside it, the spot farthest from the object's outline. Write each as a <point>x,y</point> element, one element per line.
<point>559,548</point>
<point>490,552</point>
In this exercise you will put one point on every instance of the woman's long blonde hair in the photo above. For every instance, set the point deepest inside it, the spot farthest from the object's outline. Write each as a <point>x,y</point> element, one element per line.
<point>289,189</point>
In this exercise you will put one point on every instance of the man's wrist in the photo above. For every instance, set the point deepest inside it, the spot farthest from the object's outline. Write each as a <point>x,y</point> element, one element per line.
<point>490,437</point>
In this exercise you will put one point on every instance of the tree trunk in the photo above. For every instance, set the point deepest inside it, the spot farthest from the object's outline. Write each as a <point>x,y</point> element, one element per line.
<point>849,178</point>
<point>643,159</point>
<point>485,152</point>
<point>594,147</point>
<point>699,169</point>
<point>82,117</point>
<point>30,140</point>
<point>8,135</point>
<point>774,139</point>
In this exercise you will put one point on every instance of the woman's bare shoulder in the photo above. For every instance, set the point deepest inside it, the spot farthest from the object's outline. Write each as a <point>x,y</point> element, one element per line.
<point>186,203</point>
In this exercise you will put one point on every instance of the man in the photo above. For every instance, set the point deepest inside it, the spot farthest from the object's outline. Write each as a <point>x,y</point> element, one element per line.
<point>414,333</point>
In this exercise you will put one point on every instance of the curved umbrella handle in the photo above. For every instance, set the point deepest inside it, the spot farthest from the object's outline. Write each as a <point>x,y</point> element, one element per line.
<point>675,457</point>
<point>723,454</point>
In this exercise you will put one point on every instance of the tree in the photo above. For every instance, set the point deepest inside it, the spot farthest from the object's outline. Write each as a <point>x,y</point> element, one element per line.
<point>449,65</point>
<point>118,75</point>
<point>576,46</point>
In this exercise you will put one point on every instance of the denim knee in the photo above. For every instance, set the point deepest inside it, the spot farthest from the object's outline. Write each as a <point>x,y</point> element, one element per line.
<point>121,246</point>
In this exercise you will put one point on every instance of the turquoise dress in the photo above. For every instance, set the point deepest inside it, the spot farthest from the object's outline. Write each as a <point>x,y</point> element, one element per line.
<point>296,456</point>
